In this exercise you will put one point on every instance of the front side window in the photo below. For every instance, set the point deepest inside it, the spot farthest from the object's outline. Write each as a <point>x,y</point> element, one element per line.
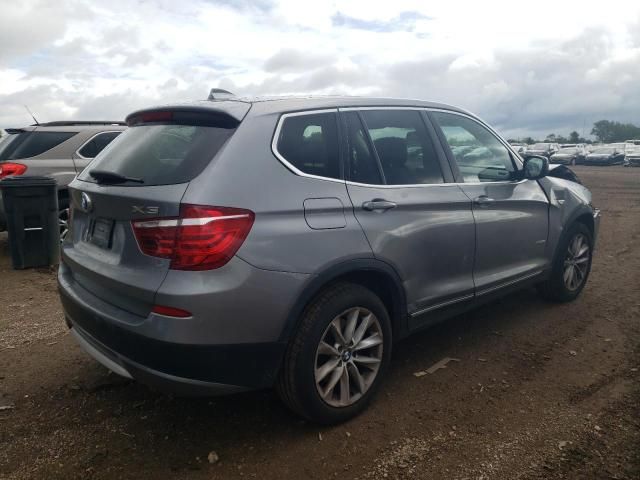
<point>309,142</point>
<point>480,156</point>
<point>363,166</point>
<point>404,147</point>
<point>94,146</point>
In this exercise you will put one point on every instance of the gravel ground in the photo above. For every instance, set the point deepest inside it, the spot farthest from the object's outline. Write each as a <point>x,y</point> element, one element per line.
<point>541,391</point>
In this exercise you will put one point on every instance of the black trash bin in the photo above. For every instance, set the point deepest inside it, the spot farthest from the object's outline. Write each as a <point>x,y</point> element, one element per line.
<point>31,208</point>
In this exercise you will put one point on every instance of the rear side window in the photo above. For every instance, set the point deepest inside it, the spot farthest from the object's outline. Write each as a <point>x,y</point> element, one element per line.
<point>31,143</point>
<point>309,142</point>
<point>161,154</point>
<point>94,146</point>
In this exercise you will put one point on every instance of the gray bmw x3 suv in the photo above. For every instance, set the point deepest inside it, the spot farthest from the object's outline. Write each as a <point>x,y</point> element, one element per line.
<point>237,244</point>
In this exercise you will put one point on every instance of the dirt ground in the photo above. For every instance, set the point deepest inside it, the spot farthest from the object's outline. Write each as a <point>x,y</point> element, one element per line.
<point>541,391</point>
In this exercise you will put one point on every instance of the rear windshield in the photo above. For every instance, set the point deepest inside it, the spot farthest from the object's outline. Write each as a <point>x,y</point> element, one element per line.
<point>31,143</point>
<point>160,154</point>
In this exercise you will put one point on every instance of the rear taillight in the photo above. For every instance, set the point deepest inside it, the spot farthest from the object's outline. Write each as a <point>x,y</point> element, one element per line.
<point>202,238</point>
<point>9,168</point>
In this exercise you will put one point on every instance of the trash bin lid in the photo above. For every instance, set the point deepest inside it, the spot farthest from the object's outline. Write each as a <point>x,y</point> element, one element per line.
<point>21,182</point>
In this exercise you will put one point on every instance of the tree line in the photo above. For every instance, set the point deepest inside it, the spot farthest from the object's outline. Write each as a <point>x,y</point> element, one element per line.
<point>604,131</point>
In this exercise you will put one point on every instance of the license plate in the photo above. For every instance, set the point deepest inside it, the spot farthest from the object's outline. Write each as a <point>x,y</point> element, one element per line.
<point>101,232</point>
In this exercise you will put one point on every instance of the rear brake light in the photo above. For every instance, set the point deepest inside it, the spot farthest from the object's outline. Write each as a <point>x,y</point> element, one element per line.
<point>9,168</point>
<point>170,311</point>
<point>151,117</point>
<point>202,238</point>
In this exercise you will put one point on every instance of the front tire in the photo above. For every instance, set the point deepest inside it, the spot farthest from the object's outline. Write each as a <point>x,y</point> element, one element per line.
<point>337,358</point>
<point>571,266</point>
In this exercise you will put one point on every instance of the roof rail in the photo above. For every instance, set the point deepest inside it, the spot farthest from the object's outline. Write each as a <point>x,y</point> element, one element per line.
<point>72,123</point>
<point>220,94</point>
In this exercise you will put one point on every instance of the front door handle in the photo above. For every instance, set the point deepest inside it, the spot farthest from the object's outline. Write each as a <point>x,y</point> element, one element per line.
<point>483,201</point>
<point>379,204</point>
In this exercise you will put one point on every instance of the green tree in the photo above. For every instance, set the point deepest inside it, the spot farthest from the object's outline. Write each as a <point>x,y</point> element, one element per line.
<point>608,132</point>
<point>574,137</point>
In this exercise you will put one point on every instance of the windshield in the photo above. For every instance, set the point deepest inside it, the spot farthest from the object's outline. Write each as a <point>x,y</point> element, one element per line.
<point>540,146</point>
<point>607,150</point>
<point>568,151</point>
<point>159,154</point>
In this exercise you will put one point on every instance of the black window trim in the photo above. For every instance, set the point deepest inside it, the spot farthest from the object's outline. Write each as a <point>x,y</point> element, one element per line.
<point>293,168</point>
<point>441,146</point>
<point>82,157</point>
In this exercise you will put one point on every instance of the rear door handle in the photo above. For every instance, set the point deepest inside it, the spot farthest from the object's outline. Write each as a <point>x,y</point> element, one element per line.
<point>379,204</point>
<point>483,201</point>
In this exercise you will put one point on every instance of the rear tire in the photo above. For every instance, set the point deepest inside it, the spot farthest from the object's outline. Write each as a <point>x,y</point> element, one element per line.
<point>571,265</point>
<point>338,356</point>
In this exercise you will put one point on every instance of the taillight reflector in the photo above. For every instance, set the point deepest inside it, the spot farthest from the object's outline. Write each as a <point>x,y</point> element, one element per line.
<point>10,168</point>
<point>201,238</point>
<point>170,311</point>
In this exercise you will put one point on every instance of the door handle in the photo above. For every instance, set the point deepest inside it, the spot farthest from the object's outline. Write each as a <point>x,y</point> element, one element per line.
<point>379,204</point>
<point>483,201</point>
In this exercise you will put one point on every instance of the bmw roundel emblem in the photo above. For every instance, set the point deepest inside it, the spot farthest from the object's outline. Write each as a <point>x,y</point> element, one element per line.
<point>85,202</point>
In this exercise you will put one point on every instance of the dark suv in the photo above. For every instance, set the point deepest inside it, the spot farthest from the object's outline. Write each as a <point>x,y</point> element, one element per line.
<point>57,149</point>
<point>237,244</point>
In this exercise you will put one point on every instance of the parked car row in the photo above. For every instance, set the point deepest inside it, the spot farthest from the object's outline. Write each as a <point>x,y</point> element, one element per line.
<point>627,153</point>
<point>632,153</point>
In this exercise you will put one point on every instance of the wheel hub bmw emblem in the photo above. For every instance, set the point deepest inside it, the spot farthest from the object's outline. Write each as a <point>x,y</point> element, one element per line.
<point>85,202</point>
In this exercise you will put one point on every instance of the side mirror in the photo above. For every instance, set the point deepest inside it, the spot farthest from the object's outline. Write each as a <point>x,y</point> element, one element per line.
<point>535,167</point>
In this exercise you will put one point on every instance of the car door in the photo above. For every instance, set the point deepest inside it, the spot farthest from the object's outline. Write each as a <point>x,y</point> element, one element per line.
<point>413,216</point>
<point>511,215</point>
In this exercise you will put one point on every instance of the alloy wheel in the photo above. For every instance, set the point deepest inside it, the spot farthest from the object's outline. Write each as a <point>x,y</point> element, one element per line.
<point>348,357</point>
<point>576,262</point>
<point>63,223</point>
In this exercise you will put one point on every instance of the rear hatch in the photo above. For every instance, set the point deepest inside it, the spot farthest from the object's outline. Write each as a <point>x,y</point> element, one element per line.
<point>138,181</point>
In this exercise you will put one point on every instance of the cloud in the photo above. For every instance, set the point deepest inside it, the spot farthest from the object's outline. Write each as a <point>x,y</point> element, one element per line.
<point>27,26</point>
<point>290,60</point>
<point>403,21</point>
<point>81,59</point>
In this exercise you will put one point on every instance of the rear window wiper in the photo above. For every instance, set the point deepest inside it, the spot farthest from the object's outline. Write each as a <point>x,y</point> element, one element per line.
<point>104,176</point>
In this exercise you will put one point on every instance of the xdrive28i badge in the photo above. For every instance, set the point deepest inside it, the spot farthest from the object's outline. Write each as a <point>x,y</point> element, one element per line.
<point>86,204</point>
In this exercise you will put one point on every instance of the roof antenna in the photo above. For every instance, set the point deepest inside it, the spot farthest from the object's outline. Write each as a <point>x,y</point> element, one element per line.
<point>220,94</point>
<point>32,115</point>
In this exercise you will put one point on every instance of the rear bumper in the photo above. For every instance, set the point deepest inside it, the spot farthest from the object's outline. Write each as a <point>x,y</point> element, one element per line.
<point>184,368</point>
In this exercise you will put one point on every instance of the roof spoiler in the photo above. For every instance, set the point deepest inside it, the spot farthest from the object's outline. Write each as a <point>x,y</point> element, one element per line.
<point>227,117</point>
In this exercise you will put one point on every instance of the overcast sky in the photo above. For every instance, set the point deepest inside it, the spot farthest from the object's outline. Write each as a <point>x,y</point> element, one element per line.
<point>539,67</point>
